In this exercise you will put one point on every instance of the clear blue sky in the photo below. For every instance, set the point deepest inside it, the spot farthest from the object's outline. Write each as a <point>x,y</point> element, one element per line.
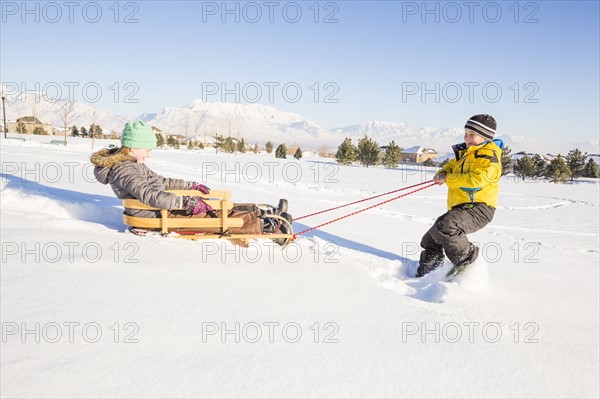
<point>378,56</point>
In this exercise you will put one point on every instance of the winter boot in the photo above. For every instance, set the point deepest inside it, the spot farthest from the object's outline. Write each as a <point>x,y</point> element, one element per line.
<point>429,261</point>
<point>283,228</point>
<point>266,210</point>
<point>282,207</point>
<point>462,265</point>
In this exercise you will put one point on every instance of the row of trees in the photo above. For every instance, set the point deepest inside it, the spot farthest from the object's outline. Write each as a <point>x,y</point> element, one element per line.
<point>94,130</point>
<point>282,151</point>
<point>230,145</point>
<point>559,170</point>
<point>368,153</point>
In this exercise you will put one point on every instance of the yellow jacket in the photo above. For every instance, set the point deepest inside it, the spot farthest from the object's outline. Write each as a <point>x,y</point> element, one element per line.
<point>474,173</point>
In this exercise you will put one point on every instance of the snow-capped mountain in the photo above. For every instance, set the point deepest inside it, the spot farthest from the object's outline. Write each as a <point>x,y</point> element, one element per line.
<point>376,130</point>
<point>254,122</point>
<point>519,143</point>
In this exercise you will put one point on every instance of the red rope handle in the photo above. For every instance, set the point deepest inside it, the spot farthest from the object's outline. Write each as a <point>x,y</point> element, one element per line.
<point>362,200</point>
<point>366,209</point>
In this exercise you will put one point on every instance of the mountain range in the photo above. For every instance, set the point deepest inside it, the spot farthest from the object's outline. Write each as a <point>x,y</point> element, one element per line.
<point>258,123</point>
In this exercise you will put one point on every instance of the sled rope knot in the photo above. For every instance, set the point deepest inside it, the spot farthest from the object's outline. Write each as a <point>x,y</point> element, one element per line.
<point>424,185</point>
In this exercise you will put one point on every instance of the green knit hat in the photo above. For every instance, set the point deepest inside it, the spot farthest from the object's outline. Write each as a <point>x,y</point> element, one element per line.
<point>137,134</point>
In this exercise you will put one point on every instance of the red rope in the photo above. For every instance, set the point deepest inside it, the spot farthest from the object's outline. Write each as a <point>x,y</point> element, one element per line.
<point>362,200</point>
<point>366,209</point>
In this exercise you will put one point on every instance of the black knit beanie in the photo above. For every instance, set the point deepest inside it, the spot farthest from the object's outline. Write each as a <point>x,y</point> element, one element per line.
<point>484,125</point>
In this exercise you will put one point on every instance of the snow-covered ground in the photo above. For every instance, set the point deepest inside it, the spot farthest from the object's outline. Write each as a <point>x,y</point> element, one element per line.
<point>88,310</point>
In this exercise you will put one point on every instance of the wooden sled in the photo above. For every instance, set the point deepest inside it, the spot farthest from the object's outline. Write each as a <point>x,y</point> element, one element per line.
<point>192,228</point>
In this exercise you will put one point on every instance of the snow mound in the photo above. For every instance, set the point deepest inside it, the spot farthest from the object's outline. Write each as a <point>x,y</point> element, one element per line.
<point>27,199</point>
<point>435,287</point>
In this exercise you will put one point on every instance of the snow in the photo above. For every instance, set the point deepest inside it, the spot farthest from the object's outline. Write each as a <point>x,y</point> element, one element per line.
<point>336,314</point>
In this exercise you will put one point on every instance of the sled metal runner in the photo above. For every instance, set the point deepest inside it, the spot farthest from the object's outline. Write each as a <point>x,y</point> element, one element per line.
<point>202,228</point>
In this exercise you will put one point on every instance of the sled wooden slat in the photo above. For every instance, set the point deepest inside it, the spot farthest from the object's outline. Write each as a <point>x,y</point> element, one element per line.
<point>218,200</point>
<point>179,223</point>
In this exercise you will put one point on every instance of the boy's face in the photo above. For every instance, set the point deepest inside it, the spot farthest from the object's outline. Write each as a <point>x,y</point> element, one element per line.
<point>472,138</point>
<point>139,154</point>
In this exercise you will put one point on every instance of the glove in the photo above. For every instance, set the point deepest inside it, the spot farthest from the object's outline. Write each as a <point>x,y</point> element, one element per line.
<point>194,205</point>
<point>440,178</point>
<point>200,187</point>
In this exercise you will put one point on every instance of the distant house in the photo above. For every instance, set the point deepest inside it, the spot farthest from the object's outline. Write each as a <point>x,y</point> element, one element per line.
<point>417,154</point>
<point>546,157</point>
<point>30,123</point>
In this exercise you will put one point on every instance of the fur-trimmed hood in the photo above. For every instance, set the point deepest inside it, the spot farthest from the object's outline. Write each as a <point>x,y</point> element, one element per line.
<point>106,159</point>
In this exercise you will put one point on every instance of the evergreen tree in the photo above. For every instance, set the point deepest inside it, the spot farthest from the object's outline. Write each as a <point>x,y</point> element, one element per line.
<point>224,144</point>
<point>346,153</point>
<point>368,152</point>
<point>506,162</point>
<point>39,131</point>
<point>391,159</point>
<point>591,169</point>
<point>558,171</point>
<point>524,167</point>
<point>84,132</point>
<point>281,151</point>
<point>95,130</point>
<point>540,167</point>
<point>74,131</point>
<point>173,142</point>
<point>576,162</point>
<point>160,140</point>
<point>228,145</point>
<point>429,162</point>
<point>21,128</point>
<point>219,140</point>
<point>269,147</point>
<point>241,146</point>
<point>298,153</point>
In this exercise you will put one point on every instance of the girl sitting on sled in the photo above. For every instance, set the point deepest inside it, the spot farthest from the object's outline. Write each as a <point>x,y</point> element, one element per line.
<point>124,169</point>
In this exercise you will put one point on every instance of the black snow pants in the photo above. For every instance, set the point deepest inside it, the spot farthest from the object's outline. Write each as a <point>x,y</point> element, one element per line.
<point>449,232</point>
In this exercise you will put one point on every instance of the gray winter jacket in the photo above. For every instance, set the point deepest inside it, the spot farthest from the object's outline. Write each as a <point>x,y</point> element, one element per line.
<point>129,179</point>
